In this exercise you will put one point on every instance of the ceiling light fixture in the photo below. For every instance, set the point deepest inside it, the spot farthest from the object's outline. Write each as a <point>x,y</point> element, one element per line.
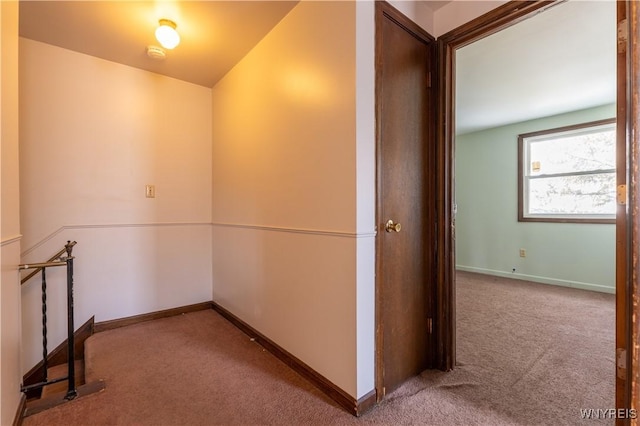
<point>167,35</point>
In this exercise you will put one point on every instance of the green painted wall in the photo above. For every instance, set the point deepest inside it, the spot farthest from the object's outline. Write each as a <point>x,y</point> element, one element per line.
<point>488,234</point>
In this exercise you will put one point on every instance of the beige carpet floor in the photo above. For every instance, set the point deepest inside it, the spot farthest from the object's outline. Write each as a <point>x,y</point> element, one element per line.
<point>528,354</point>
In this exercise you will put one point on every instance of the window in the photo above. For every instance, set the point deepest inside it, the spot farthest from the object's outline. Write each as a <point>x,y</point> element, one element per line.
<point>568,174</point>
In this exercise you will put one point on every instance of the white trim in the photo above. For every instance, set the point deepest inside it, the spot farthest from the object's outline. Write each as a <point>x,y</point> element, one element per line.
<point>542,280</point>
<point>230,225</point>
<point>110,225</point>
<point>341,234</point>
<point>11,240</point>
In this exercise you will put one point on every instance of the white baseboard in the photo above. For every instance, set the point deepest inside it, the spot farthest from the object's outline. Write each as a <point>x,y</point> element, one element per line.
<point>537,279</point>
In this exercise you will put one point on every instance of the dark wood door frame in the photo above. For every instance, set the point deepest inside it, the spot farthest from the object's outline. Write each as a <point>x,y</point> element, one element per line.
<point>623,391</point>
<point>384,11</point>
<point>631,111</point>
<point>628,225</point>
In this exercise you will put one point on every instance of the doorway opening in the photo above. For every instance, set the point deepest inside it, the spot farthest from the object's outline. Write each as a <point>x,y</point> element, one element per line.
<point>450,45</point>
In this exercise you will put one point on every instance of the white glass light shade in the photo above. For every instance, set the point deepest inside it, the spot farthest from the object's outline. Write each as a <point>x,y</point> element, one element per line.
<point>167,35</point>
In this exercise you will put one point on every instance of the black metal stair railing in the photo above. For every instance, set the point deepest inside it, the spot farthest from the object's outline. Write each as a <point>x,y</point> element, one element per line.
<point>59,259</point>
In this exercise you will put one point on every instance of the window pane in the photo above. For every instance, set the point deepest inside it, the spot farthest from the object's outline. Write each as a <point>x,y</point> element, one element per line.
<point>573,153</point>
<point>586,194</point>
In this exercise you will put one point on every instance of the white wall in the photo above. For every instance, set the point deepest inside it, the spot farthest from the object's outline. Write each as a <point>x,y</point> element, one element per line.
<point>488,234</point>
<point>417,11</point>
<point>285,235</point>
<point>365,196</point>
<point>10,373</point>
<point>93,133</point>
<point>460,12</point>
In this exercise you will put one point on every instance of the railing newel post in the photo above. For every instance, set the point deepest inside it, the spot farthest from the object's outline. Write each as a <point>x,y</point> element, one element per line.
<point>45,373</point>
<point>71,359</point>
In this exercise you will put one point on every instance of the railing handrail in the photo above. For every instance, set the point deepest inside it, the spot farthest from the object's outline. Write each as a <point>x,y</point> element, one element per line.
<point>57,260</point>
<point>39,268</point>
<point>40,265</point>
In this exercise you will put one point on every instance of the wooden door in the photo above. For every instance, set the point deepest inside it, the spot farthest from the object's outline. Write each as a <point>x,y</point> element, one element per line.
<point>405,173</point>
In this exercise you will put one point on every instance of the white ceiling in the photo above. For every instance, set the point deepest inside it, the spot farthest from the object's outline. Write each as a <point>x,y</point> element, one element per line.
<point>561,60</point>
<point>215,34</point>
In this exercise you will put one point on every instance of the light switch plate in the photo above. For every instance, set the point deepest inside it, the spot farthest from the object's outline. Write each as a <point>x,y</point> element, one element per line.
<point>150,191</point>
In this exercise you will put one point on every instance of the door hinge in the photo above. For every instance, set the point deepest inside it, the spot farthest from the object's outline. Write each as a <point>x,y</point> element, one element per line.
<point>429,79</point>
<point>623,35</point>
<point>430,325</point>
<point>621,195</point>
<point>621,363</point>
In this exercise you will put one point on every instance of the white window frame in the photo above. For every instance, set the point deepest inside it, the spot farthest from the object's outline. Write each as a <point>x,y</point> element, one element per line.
<point>524,147</point>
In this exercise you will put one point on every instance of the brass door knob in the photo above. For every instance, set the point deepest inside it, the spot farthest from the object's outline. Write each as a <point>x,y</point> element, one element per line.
<point>390,226</point>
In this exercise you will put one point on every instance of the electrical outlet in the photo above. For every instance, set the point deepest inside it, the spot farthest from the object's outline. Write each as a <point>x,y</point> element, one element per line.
<point>150,191</point>
<point>523,253</point>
